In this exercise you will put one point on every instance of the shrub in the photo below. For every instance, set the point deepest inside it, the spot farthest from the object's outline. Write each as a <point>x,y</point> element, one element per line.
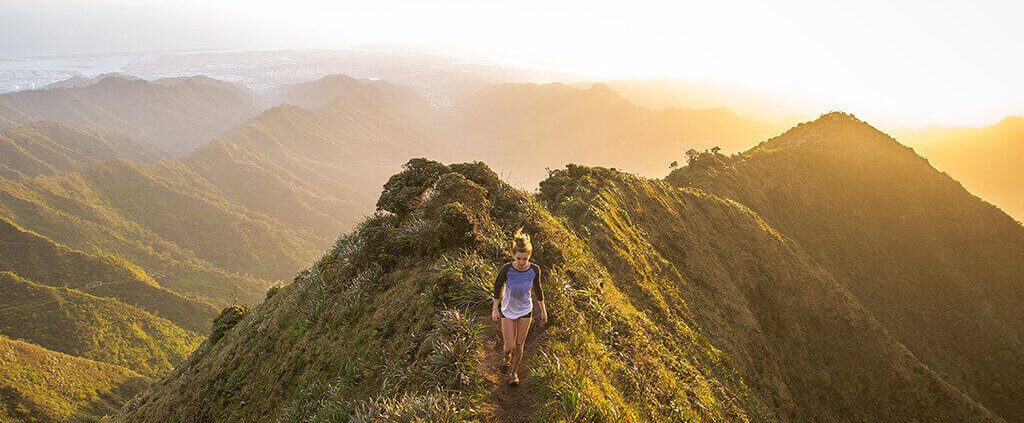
<point>434,406</point>
<point>227,319</point>
<point>272,291</point>
<point>455,226</point>
<point>404,190</point>
<point>479,173</point>
<point>455,351</point>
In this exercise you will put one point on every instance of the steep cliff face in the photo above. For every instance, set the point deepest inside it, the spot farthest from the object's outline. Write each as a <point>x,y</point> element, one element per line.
<point>937,267</point>
<point>665,304</point>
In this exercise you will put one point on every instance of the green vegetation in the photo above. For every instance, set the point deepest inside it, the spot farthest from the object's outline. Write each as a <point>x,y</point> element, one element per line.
<point>665,305</point>
<point>122,210</point>
<point>175,114</point>
<point>36,258</point>
<point>51,147</point>
<point>99,329</point>
<point>41,385</point>
<point>937,267</point>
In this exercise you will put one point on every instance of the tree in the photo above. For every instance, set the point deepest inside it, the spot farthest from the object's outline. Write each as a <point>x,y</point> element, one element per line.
<point>673,165</point>
<point>691,155</point>
<point>715,150</point>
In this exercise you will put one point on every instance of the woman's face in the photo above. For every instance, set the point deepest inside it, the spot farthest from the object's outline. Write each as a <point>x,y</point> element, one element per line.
<point>521,259</point>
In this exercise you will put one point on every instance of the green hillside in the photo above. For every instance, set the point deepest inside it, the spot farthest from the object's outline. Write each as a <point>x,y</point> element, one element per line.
<point>318,170</point>
<point>120,209</point>
<point>392,324</point>
<point>38,385</point>
<point>174,114</point>
<point>100,329</point>
<point>936,266</point>
<point>36,258</point>
<point>50,148</point>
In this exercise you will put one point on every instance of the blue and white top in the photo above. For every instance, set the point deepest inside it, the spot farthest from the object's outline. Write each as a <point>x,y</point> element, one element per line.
<point>515,297</point>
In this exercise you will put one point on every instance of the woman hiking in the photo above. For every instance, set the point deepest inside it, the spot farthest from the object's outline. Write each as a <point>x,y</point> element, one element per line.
<point>513,305</point>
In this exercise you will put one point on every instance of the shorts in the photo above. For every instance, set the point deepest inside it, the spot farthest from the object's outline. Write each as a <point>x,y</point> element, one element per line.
<point>525,316</point>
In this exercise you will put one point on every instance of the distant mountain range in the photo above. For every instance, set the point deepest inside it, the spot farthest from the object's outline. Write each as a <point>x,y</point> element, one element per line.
<point>521,129</point>
<point>986,160</point>
<point>174,114</point>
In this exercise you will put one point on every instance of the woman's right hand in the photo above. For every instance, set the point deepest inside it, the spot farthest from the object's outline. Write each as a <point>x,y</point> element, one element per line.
<point>495,315</point>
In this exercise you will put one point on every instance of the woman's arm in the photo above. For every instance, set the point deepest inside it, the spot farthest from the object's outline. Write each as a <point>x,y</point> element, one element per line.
<point>499,283</point>
<point>539,294</point>
<point>496,311</point>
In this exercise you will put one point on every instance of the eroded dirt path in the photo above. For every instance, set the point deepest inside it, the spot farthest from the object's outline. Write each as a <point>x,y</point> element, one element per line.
<point>511,403</point>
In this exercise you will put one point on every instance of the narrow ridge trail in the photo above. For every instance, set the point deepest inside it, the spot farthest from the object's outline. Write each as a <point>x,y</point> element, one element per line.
<point>512,403</point>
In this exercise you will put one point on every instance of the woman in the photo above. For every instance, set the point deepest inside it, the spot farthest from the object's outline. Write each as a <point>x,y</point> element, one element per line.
<point>513,304</point>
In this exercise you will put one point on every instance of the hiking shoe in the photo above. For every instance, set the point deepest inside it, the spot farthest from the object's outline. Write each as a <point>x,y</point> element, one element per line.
<point>513,379</point>
<point>506,363</point>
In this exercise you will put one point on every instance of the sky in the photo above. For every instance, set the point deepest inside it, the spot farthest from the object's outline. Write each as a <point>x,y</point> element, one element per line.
<point>909,62</point>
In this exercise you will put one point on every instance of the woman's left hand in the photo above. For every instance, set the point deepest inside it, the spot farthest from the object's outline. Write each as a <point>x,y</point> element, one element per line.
<point>544,316</point>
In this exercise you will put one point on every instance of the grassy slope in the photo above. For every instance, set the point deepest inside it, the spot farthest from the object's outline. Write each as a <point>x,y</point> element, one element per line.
<point>36,258</point>
<point>88,212</point>
<point>803,344</point>
<point>266,193</point>
<point>937,267</point>
<point>390,316</point>
<point>175,114</point>
<point>243,241</point>
<point>50,148</point>
<point>100,329</point>
<point>318,170</point>
<point>391,323</point>
<point>41,385</point>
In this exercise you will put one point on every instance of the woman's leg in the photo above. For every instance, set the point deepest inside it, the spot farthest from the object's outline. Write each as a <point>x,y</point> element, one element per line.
<point>508,335</point>
<point>522,327</point>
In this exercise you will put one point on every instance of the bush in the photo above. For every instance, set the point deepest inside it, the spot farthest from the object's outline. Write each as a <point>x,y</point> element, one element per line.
<point>479,173</point>
<point>227,319</point>
<point>404,190</point>
<point>455,351</point>
<point>433,406</point>
<point>272,291</point>
<point>455,226</point>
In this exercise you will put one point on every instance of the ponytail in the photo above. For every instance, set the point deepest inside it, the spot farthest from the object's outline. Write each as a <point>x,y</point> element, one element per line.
<point>521,243</point>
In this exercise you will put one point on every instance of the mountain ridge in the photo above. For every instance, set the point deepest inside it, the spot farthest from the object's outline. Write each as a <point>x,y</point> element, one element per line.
<point>935,264</point>
<point>406,294</point>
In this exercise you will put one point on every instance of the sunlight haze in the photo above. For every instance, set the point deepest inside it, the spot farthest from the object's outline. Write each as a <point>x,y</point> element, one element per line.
<point>892,63</point>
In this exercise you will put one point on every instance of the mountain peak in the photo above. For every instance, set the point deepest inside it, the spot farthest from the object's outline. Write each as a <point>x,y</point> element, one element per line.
<point>835,129</point>
<point>838,115</point>
<point>1011,122</point>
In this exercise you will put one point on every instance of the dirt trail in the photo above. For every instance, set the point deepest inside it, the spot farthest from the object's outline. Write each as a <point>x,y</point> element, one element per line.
<point>511,403</point>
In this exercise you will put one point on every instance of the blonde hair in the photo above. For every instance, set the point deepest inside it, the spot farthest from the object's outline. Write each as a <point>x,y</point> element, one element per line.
<point>521,243</point>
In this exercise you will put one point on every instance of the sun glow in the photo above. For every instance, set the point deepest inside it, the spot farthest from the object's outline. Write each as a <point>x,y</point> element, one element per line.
<point>898,63</point>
